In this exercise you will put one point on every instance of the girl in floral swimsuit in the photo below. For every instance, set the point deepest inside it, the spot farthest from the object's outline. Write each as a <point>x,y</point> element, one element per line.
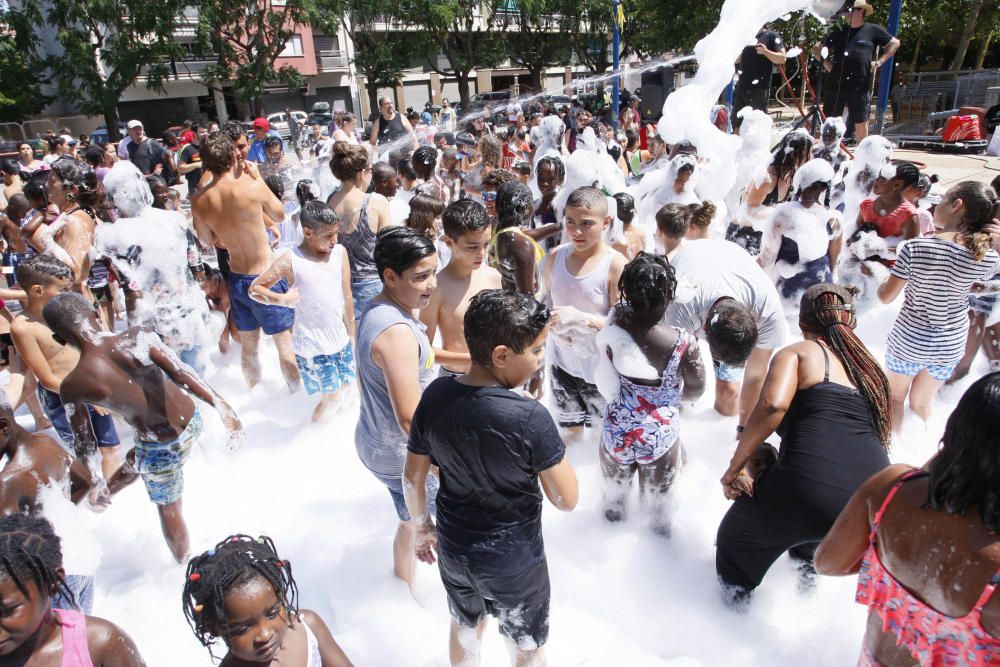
<point>645,370</point>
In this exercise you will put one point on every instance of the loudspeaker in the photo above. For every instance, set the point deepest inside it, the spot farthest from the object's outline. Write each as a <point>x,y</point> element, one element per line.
<point>657,85</point>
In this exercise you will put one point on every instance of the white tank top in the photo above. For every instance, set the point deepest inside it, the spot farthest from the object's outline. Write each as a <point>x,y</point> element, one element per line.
<point>587,293</point>
<point>319,315</point>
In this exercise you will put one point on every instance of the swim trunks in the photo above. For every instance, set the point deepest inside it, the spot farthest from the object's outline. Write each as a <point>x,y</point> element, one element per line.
<point>52,406</point>
<point>161,464</point>
<point>327,373</point>
<point>249,315</point>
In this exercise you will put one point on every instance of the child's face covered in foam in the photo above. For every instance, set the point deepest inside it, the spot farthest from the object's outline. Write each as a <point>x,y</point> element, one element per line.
<point>20,614</point>
<point>585,226</point>
<point>256,621</point>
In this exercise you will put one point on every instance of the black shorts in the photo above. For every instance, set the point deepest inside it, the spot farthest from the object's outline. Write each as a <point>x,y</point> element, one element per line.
<point>102,293</point>
<point>520,603</point>
<point>856,100</point>
<point>749,96</point>
<point>578,403</point>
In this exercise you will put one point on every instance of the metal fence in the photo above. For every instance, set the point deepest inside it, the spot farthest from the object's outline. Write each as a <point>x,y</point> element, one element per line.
<point>926,93</point>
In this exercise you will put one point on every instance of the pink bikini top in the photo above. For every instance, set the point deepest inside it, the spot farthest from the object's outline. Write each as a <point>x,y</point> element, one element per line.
<point>932,638</point>
<point>74,639</point>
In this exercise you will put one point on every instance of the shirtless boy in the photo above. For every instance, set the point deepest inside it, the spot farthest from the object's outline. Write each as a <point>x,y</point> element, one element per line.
<point>467,235</point>
<point>135,375</point>
<point>43,277</point>
<point>231,211</point>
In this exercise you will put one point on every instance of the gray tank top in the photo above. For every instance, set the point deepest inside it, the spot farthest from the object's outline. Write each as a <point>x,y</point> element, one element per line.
<point>360,246</point>
<point>380,443</point>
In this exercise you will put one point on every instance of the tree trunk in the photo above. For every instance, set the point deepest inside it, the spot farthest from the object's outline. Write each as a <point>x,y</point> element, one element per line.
<point>372,89</point>
<point>111,122</point>
<point>970,29</point>
<point>535,76</point>
<point>916,54</point>
<point>462,78</point>
<point>984,49</point>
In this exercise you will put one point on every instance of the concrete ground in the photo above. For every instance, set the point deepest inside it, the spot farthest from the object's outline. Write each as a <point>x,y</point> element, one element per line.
<point>953,168</point>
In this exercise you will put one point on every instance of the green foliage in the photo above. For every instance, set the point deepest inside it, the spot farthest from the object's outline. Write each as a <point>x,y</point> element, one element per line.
<point>537,35</point>
<point>107,45</point>
<point>20,86</point>
<point>248,36</point>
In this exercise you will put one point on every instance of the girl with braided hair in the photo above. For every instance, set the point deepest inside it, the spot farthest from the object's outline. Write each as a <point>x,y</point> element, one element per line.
<point>75,190</point>
<point>242,592</point>
<point>31,574</point>
<point>828,399</point>
<point>938,273</point>
<point>645,370</point>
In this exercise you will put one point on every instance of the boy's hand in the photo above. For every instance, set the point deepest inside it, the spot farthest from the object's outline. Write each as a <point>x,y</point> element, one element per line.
<point>426,542</point>
<point>291,297</point>
<point>99,498</point>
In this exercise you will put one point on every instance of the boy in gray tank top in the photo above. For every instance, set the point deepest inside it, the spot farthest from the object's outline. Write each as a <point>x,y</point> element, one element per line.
<point>395,362</point>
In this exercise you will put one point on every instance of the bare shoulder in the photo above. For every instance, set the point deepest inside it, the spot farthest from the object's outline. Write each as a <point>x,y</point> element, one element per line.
<point>314,621</point>
<point>618,261</point>
<point>110,645</point>
<point>489,277</point>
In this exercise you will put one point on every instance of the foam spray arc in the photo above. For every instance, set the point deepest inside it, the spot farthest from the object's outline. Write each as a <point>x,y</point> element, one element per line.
<point>686,113</point>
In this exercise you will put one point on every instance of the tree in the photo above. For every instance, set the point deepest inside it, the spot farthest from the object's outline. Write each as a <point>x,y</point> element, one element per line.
<point>248,36</point>
<point>673,25</point>
<point>20,93</point>
<point>970,28</point>
<point>378,54</point>
<point>107,46</point>
<point>593,41</point>
<point>539,39</point>
<point>467,32</point>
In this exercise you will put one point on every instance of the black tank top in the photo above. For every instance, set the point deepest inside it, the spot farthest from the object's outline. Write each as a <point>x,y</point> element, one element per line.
<point>829,436</point>
<point>390,130</point>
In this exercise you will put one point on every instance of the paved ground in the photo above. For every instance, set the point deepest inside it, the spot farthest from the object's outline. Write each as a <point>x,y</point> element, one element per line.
<point>953,168</point>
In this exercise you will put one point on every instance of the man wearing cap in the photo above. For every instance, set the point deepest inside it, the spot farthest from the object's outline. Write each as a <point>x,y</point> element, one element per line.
<point>755,66</point>
<point>851,65</point>
<point>145,153</point>
<point>261,131</point>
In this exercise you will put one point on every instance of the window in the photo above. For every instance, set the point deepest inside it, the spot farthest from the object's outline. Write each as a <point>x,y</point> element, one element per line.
<point>293,47</point>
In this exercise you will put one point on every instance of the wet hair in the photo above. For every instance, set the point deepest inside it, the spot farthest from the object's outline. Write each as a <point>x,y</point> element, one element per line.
<point>66,312</point>
<point>588,197</point>
<point>304,192</point>
<point>492,151</point>
<point>624,202</point>
<point>94,155</point>
<point>555,163</point>
<point>731,332</point>
<point>271,141</point>
<point>216,152</point>
<point>462,216</point>
<point>54,143</point>
<point>34,187</point>
<point>382,171</point>
<point>502,317</point>
<point>30,550</point>
<point>965,471</point>
<point>17,201</point>
<point>981,206</point>
<point>155,181</point>
<point>794,150</point>
<point>907,173</point>
<point>424,209</point>
<point>498,177</point>
<point>828,311</point>
<point>234,129</point>
<point>276,185</point>
<point>522,168</point>
<point>400,248</point>
<point>90,194</point>
<point>347,160</point>
<point>316,214</point>
<point>513,204</point>
<point>405,169</point>
<point>232,563</point>
<point>674,220</point>
<point>424,160</point>
<point>647,286</point>
<point>926,182</point>
<point>702,214</point>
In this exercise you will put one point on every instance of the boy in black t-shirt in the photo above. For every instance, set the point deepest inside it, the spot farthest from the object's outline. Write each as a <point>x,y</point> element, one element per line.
<point>492,446</point>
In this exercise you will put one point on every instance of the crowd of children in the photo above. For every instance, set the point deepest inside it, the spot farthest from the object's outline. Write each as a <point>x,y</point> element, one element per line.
<point>484,309</point>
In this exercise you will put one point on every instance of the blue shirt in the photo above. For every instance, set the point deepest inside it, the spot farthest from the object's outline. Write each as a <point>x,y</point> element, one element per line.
<point>257,153</point>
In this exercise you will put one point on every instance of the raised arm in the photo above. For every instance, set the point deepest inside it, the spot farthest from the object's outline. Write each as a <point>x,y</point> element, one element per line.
<point>183,376</point>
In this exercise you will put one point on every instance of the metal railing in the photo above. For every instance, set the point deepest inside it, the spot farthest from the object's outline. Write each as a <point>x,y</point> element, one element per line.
<point>328,61</point>
<point>925,93</point>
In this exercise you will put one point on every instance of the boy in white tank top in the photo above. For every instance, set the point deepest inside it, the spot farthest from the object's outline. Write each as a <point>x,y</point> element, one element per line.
<point>581,278</point>
<point>320,279</point>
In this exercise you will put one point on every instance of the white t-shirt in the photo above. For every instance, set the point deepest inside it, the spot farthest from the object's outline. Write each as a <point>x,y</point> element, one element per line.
<point>513,111</point>
<point>399,209</point>
<point>709,270</point>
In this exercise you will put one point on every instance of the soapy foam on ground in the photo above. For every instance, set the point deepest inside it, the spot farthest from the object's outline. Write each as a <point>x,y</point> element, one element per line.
<point>620,595</point>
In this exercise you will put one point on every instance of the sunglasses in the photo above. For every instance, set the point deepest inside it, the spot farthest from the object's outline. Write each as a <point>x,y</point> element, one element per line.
<point>489,196</point>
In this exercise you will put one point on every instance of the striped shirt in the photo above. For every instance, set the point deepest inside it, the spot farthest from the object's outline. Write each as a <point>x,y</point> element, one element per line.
<point>933,323</point>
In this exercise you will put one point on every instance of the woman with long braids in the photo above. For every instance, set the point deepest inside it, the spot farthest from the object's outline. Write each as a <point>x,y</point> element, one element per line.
<point>828,399</point>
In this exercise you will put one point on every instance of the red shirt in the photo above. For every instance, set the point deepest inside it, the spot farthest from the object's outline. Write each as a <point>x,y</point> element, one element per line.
<point>890,224</point>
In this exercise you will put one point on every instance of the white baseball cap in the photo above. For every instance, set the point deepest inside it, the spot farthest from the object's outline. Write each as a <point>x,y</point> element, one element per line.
<point>134,123</point>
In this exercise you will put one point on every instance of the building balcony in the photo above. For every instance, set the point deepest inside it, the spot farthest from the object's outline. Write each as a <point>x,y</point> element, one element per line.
<point>331,61</point>
<point>187,68</point>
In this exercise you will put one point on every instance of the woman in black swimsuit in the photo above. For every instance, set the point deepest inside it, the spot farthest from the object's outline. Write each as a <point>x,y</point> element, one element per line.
<point>828,399</point>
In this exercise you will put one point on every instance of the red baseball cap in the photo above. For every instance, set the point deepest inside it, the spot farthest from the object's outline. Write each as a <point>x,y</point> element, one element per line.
<point>261,124</point>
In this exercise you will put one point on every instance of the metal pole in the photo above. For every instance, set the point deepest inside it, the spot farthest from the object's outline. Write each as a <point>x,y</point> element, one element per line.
<point>885,80</point>
<point>616,39</point>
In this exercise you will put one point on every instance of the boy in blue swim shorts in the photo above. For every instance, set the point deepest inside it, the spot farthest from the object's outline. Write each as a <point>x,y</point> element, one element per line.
<point>135,375</point>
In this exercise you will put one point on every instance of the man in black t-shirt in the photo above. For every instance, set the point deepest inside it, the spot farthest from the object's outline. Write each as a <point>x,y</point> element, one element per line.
<point>851,65</point>
<point>754,68</point>
<point>492,446</point>
<point>189,158</point>
<point>143,152</point>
